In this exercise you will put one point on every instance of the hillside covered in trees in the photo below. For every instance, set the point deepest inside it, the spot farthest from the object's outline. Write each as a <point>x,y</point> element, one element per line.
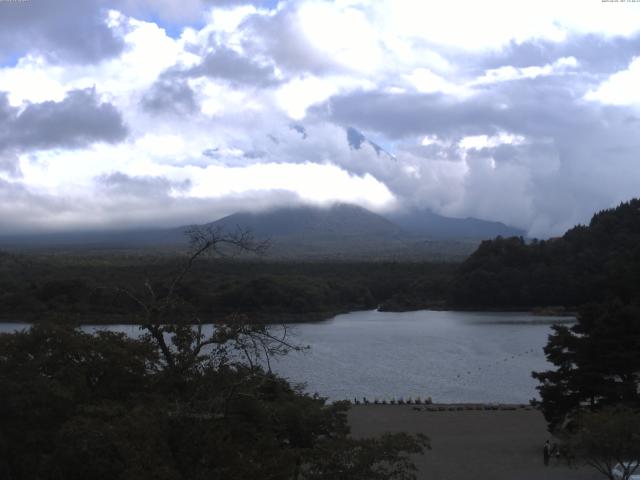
<point>587,264</point>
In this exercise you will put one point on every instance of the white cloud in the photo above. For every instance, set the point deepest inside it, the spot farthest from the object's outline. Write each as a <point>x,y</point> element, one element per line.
<point>31,80</point>
<point>488,141</point>
<point>342,33</point>
<point>312,182</point>
<point>424,80</point>
<point>506,73</point>
<point>148,52</point>
<point>621,88</point>
<point>296,96</point>
<point>491,24</point>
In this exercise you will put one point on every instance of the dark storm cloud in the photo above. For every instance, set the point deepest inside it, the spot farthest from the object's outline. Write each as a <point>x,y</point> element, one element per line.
<point>170,93</point>
<point>229,65</point>
<point>77,121</point>
<point>69,31</point>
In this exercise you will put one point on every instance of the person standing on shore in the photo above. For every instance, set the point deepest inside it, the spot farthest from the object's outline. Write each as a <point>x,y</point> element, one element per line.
<point>555,452</point>
<point>546,452</point>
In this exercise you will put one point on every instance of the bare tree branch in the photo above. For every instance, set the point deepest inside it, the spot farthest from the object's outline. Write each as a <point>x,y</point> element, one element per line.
<point>188,342</point>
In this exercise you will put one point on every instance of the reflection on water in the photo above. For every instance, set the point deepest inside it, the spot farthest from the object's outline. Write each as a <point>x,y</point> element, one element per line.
<point>449,356</point>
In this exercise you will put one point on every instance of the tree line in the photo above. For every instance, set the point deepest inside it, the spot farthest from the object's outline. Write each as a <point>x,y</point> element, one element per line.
<point>587,264</point>
<point>34,287</point>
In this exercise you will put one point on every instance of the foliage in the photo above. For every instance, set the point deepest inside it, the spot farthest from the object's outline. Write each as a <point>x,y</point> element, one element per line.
<point>86,286</point>
<point>77,406</point>
<point>608,437</point>
<point>174,403</point>
<point>597,363</point>
<point>369,459</point>
<point>586,264</point>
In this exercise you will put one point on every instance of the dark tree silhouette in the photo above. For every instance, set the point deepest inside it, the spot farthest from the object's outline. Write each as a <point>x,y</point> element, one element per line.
<point>597,363</point>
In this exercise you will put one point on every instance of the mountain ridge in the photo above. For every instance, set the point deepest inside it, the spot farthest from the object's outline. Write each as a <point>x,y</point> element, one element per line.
<point>339,230</point>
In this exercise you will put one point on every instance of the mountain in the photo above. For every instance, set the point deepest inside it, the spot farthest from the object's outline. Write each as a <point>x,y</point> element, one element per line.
<point>349,230</point>
<point>339,231</point>
<point>356,139</point>
<point>339,220</point>
<point>425,222</point>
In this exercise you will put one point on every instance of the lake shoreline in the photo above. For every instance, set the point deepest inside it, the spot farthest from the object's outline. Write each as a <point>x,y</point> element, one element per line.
<point>260,318</point>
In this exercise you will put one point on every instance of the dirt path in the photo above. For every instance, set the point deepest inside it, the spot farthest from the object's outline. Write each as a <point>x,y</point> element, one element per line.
<point>471,444</point>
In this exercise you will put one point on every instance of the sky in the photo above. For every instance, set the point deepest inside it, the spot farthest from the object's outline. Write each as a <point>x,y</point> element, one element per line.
<point>139,113</point>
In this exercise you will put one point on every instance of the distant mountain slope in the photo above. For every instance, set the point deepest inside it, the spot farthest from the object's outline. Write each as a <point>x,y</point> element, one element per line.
<point>340,220</point>
<point>425,222</point>
<point>303,231</point>
<point>587,264</point>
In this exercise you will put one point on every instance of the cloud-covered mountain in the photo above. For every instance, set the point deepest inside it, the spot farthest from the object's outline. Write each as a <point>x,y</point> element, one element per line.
<point>425,222</point>
<point>337,231</point>
<point>339,221</point>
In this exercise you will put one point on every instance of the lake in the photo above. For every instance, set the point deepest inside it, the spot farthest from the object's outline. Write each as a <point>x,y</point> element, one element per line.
<point>448,356</point>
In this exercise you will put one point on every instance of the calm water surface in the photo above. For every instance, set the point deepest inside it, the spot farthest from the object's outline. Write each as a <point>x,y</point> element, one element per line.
<point>449,356</point>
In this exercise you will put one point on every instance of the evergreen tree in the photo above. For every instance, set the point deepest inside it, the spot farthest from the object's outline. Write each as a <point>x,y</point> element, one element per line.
<point>597,363</point>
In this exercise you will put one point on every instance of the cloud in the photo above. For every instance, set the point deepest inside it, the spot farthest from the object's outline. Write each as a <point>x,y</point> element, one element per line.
<point>118,201</point>
<point>22,210</point>
<point>529,153</point>
<point>509,73</point>
<point>121,201</point>
<point>525,114</point>
<point>235,3</point>
<point>64,31</point>
<point>621,88</point>
<point>144,187</point>
<point>170,93</point>
<point>282,37</point>
<point>595,53</point>
<point>77,121</point>
<point>227,64</point>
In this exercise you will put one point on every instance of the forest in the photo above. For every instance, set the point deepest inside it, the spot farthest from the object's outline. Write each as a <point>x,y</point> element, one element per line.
<point>587,264</point>
<point>88,288</point>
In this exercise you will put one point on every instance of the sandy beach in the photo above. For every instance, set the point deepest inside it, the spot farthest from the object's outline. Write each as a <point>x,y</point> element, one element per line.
<point>471,444</point>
